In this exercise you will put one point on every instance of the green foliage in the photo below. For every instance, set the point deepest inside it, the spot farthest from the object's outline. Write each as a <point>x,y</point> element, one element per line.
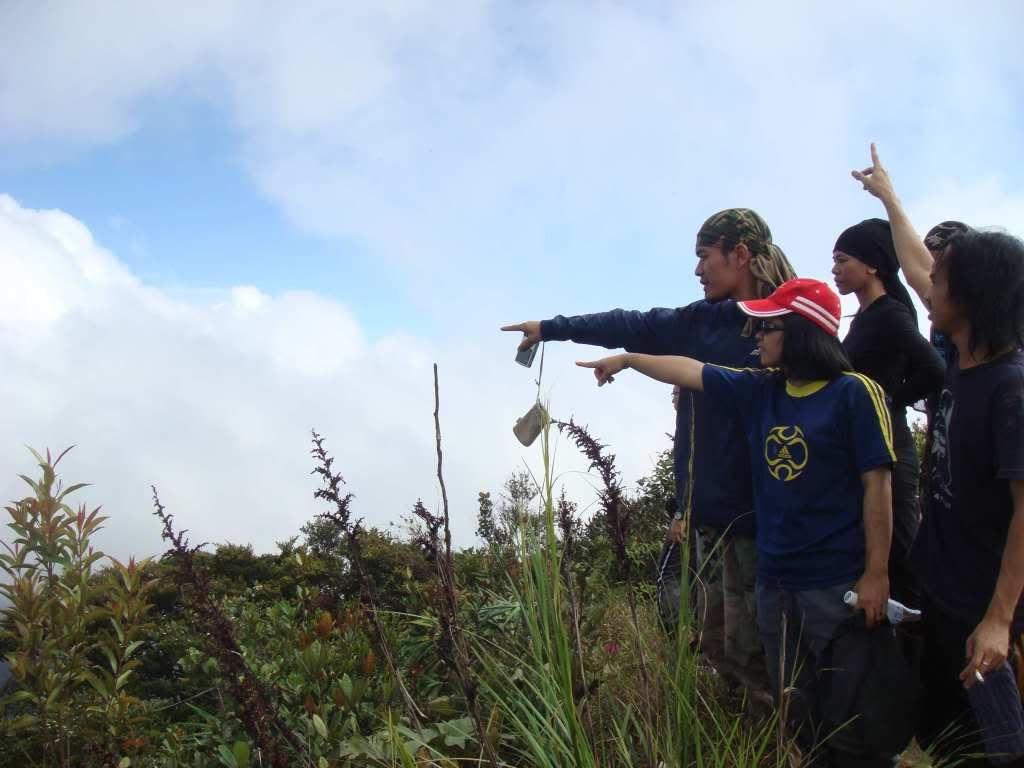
<point>569,663</point>
<point>918,430</point>
<point>73,634</point>
<point>391,564</point>
<point>539,700</point>
<point>651,516</point>
<point>486,525</point>
<point>499,527</point>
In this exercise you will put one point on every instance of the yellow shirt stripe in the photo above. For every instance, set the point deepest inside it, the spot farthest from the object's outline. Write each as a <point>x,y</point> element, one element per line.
<point>745,370</point>
<point>881,409</point>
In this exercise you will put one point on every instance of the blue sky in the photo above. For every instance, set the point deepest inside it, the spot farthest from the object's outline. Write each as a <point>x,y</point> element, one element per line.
<point>278,219</point>
<point>174,201</point>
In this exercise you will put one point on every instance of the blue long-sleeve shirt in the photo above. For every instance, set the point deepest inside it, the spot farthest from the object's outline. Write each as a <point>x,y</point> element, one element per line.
<point>712,462</point>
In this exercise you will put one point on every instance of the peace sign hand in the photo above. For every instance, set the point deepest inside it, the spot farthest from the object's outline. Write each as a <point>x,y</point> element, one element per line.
<point>876,179</point>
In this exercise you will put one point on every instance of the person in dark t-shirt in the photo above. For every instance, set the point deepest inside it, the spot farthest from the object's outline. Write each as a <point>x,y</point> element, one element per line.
<point>885,344</point>
<point>970,548</point>
<point>820,440</point>
<point>935,242</point>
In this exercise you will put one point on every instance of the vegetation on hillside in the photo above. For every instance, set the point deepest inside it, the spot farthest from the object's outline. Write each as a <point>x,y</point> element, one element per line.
<point>352,646</point>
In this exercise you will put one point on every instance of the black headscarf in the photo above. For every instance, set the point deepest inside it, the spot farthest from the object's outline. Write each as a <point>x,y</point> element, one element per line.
<point>871,243</point>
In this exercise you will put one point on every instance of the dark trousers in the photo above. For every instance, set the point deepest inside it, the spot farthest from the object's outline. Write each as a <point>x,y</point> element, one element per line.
<point>795,664</point>
<point>947,725</point>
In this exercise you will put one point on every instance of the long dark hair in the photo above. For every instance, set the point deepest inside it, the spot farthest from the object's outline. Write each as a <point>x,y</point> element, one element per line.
<point>810,353</point>
<point>985,271</point>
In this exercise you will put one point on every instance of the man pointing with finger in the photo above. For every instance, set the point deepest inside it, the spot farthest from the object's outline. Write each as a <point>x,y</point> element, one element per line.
<point>736,261</point>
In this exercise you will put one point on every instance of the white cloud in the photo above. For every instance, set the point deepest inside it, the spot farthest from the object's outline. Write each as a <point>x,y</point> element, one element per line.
<point>214,402</point>
<point>68,271</point>
<point>83,69</point>
<point>475,141</point>
<point>985,202</point>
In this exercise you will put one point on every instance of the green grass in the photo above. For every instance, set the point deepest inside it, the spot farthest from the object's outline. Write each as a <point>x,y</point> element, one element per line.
<point>683,717</point>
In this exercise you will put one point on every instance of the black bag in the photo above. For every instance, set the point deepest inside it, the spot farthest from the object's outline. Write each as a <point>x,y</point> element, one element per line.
<point>868,690</point>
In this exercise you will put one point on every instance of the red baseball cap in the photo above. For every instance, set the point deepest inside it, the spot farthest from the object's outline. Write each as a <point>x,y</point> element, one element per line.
<point>808,298</point>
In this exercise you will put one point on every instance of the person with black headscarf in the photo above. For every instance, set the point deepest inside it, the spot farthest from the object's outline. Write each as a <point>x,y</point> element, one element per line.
<point>885,344</point>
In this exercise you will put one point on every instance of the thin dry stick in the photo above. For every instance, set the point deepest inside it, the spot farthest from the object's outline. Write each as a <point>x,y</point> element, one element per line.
<point>440,476</point>
<point>446,573</point>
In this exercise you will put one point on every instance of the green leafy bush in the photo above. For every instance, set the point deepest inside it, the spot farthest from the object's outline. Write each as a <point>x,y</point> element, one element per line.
<point>356,647</point>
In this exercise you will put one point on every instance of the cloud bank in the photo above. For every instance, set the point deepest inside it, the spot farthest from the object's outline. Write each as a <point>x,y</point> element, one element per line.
<point>214,402</point>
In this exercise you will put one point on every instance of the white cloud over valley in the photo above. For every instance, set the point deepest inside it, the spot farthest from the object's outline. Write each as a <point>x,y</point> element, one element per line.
<point>214,402</point>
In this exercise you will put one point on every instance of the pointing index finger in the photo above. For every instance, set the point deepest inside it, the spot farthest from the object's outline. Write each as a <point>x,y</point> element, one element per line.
<point>874,156</point>
<point>515,327</point>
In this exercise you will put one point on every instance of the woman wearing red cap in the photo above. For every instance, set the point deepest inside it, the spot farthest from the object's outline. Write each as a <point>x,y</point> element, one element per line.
<point>821,440</point>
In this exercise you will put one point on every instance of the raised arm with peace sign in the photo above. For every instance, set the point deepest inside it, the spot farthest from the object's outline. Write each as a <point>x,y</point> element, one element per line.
<point>876,179</point>
<point>913,256</point>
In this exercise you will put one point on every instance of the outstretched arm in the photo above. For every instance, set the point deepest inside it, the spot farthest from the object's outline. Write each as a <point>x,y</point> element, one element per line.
<point>658,331</point>
<point>685,372</point>
<point>910,250</point>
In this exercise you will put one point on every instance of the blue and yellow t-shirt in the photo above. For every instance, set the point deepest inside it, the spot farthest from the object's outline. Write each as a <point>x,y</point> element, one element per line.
<point>809,446</point>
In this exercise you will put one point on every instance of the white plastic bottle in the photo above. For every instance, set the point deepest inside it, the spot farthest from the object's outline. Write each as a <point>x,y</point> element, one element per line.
<point>895,611</point>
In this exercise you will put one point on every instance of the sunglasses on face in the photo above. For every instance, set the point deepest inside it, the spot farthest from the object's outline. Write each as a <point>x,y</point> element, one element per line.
<point>767,326</point>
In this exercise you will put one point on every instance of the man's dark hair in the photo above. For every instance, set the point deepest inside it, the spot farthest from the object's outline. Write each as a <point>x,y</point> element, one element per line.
<point>728,245</point>
<point>985,271</point>
<point>939,235</point>
<point>810,353</point>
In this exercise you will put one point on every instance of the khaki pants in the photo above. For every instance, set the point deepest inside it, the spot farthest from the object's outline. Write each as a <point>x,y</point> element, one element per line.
<point>726,603</point>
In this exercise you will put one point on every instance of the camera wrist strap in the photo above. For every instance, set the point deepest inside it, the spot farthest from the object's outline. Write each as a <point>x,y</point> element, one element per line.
<point>540,371</point>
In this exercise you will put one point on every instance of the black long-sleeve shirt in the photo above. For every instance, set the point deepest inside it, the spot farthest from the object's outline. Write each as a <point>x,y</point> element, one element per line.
<point>885,344</point>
